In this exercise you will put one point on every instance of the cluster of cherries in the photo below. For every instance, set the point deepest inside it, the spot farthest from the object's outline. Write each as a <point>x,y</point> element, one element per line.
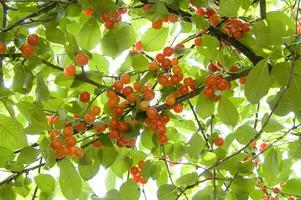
<point>215,82</point>
<point>81,59</point>
<point>236,27</point>
<point>157,24</point>
<point>275,190</point>
<point>111,18</point>
<point>136,173</point>
<point>210,13</point>
<point>28,48</point>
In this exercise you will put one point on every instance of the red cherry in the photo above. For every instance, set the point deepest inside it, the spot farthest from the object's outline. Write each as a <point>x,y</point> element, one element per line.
<point>82,59</point>
<point>168,51</point>
<point>219,142</point>
<point>33,39</point>
<point>88,12</point>
<point>157,24</point>
<point>27,50</point>
<point>84,97</point>
<point>212,67</point>
<point>70,70</point>
<point>2,47</point>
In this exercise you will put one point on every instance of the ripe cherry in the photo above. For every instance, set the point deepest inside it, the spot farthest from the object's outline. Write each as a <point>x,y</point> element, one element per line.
<point>198,41</point>
<point>223,84</point>
<point>118,110</point>
<point>178,108</point>
<point>118,85</point>
<point>209,92</point>
<point>33,39</point>
<point>276,190</point>
<point>77,152</point>
<point>143,105</point>
<point>149,95</point>
<point>153,66</point>
<point>2,47</point>
<point>70,141</point>
<point>140,164</point>
<point>172,18</point>
<point>170,100</point>
<point>263,147</point>
<point>134,171</point>
<point>157,24</point>
<point>80,127</point>
<point>70,70</point>
<point>160,58</point>
<point>88,12</point>
<point>113,134</point>
<point>200,11</point>
<point>127,90</point>
<point>214,19</point>
<point>219,142</point>
<point>95,110</point>
<point>243,80</point>
<point>27,50</point>
<point>68,131</point>
<point>82,58</point>
<point>97,144</point>
<point>132,98</point>
<point>151,112</point>
<point>125,78</point>
<point>89,118</point>
<point>166,63</point>
<point>212,67</point>
<point>84,96</point>
<point>162,139</point>
<point>168,51</point>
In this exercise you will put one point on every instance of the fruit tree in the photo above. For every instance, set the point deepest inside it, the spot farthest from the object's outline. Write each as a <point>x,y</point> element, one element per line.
<point>149,99</point>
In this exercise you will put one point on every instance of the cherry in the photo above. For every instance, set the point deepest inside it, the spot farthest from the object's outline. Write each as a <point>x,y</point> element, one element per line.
<point>56,144</point>
<point>172,18</point>
<point>88,12</point>
<point>223,84</point>
<point>82,58</point>
<point>219,142</point>
<point>80,127</point>
<point>118,85</point>
<point>157,24</point>
<point>122,11</point>
<point>210,12</point>
<point>151,112</point>
<point>114,134</point>
<point>149,95</point>
<point>170,100</point>
<point>89,118</point>
<point>132,98</point>
<point>162,139</point>
<point>209,92</point>
<point>243,80</point>
<point>99,128</point>
<point>163,80</point>
<point>27,50</point>
<point>77,152</point>
<point>127,90</point>
<point>210,81</point>
<point>212,67</point>
<point>174,61</point>
<point>70,141</point>
<point>184,89</point>
<point>95,110</point>
<point>118,110</point>
<point>143,105</point>
<point>263,147</point>
<point>160,57</point>
<point>214,19</point>
<point>84,96</point>
<point>123,126</point>
<point>97,144</point>
<point>137,86</point>
<point>200,12</point>
<point>148,7</point>
<point>198,42</point>
<point>153,66</point>
<point>264,189</point>
<point>138,46</point>
<point>168,51</point>
<point>166,63</point>
<point>68,131</point>
<point>33,39</point>
<point>125,78</point>
<point>70,70</point>
<point>140,164</point>
<point>276,190</point>
<point>178,108</point>
<point>134,171</point>
<point>2,47</point>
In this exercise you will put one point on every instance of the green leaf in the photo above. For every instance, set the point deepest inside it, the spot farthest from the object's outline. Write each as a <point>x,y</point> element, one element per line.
<point>111,195</point>
<point>258,82</point>
<point>167,192</point>
<point>122,164</point>
<point>200,22</point>
<point>42,91</point>
<point>7,193</point>
<point>118,39</point>
<point>270,166</point>
<point>292,187</point>
<point>195,145</point>
<point>154,39</point>
<point>70,181</point>
<point>109,156</point>
<point>70,45</point>
<point>244,134</point>
<point>209,48</point>
<point>204,107</point>
<point>5,92</point>
<point>55,35</point>
<point>12,134</point>
<point>28,155</point>
<point>139,62</point>
<point>229,8</point>
<point>6,156</point>
<point>89,35</point>
<point>87,172</point>
<point>129,191</point>
<point>23,80</point>
<point>146,139</point>
<point>272,126</point>
<point>227,112</point>
<point>187,179</point>
<point>45,182</point>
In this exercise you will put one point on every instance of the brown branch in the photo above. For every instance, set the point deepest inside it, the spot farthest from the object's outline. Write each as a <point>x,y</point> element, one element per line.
<point>46,7</point>
<point>263,9</point>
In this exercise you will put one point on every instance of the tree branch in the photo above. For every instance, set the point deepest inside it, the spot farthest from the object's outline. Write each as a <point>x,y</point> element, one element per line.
<point>263,11</point>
